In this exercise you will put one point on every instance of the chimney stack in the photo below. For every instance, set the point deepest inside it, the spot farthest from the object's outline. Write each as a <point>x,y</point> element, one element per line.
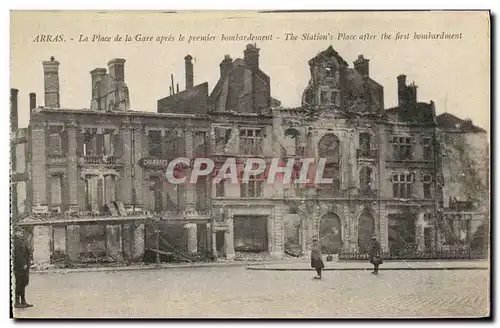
<point>225,65</point>
<point>189,71</point>
<point>97,101</point>
<point>361,65</point>
<point>252,57</point>
<point>116,69</point>
<point>14,125</point>
<point>51,80</point>
<point>32,101</point>
<point>402,90</point>
<point>412,90</point>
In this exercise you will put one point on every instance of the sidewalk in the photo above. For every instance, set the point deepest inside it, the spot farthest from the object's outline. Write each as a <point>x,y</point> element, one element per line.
<point>287,265</point>
<point>147,266</point>
<point>387,265</point>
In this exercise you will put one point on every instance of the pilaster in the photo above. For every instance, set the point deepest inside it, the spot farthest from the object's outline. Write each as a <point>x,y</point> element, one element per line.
<point>41,244</point>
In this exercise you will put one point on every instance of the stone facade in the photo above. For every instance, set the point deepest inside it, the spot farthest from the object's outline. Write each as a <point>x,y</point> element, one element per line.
<point>106,166</point>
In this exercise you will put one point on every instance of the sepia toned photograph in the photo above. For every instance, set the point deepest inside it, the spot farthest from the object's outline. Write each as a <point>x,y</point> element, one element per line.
<point>244,164</point>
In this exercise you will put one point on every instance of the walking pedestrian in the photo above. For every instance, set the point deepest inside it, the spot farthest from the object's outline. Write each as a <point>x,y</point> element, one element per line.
<point>375,254</point>
<point>21,268</point>
<point>316,260</point>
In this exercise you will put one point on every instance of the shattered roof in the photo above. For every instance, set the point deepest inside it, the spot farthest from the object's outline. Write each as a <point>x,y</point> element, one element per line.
<point>450,121</point>
<point>329,52</point>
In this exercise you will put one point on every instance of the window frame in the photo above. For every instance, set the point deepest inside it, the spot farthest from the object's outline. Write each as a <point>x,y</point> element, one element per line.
<point>427,186</point>
<point>402,148</point>
<point>427,149</point>
<point>155,149</point>
<point>402,185</point>
<point>251,141</point>
<point>256,184</point>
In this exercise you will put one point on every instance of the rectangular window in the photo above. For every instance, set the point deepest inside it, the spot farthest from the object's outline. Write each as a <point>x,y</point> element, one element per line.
<point>364,141</point>
<point>201,194</point>
<point>402,148</point>
<point>220,189</point>
<point>89,142</point>
<point>402,185</point>
<point>331,171</point>
<point>427,148</point>
<point>55,190</point>
<point>155,144</point>
<point>251,141</point>
<point>157,193</point>
<point>252,189</point>
<point>100,195</point>
<point>333,98</point>
<point>200,144</point>
<point>88,195</point>
<point>427,181</point>
<point>108,144</point>
<point>222,136</point>
<point>55,144</point>
<point>324,97</point>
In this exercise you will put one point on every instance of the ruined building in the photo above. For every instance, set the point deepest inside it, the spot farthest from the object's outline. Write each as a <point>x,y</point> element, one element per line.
<point>90,183</point>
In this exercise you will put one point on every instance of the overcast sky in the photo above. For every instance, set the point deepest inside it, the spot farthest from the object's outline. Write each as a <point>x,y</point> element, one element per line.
<point>453,73</point>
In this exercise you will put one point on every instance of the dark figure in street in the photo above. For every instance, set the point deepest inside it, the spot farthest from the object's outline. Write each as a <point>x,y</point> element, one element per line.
<point>375,254</point>
<point>316,260</point>
<point>21,268</point>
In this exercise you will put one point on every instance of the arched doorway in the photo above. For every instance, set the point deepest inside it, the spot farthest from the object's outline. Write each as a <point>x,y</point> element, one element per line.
<point>366,228</point>
<point>330,233</point>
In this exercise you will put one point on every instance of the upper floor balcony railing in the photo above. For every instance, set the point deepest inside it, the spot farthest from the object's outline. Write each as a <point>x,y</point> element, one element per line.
<point>100,160</point>
<point>367,153</point>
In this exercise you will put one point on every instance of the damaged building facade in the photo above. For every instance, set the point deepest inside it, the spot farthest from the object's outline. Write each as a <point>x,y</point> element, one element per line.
<point>91,183</point>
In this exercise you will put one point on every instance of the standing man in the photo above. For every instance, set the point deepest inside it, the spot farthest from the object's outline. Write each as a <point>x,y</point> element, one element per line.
<point>375,254</point>
<point>21,268</point>
<point>316,260</point>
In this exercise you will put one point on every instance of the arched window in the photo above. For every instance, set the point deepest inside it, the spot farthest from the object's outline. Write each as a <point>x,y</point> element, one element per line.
<point>329,148</point>
<point>366,228</point>
<point>330,233</point>
<point>329,69</point>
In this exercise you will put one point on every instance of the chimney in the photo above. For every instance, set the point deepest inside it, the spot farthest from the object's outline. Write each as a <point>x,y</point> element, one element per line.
<point>96,102</point>
<point>402,90</point>
<point>189,71</point>
<point>116,69</point>
<point>225,65</point>
<point>252,57</point>
<point>361,65</point>
<point>32,101</point>
<point>13,110</point>
<point>51,80</point>
<point>97,74</point>
<point>412,90</point>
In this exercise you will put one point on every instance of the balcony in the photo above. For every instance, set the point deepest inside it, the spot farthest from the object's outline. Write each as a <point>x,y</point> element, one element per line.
<point>57,159</point>
<point>367,154</point>
<point>101,160</point>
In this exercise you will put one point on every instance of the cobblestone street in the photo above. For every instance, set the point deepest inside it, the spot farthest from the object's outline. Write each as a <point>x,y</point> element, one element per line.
<point>237,292</point>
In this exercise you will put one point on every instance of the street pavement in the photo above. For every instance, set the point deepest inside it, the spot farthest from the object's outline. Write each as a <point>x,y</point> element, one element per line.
<point>223,292</point>
<point>387,265</point>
